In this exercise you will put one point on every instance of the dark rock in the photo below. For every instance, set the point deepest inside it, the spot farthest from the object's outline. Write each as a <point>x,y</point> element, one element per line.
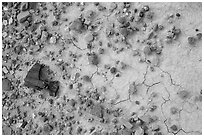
<point>174,127</point>
<point>53,88</point>
<point>33,77</point>
<point>47,128</point>
<point>34,83</point>
<point>34,72</point>
<point>38,78</point>
<point>113,70</point>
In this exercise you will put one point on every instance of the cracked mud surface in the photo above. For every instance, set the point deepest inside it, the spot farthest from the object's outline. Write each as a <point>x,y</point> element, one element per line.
<point>101,68</point>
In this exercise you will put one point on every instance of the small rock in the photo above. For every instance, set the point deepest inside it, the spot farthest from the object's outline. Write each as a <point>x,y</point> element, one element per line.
<point>147,50</point>
<point>53,40</point>
<point>89,38</point>
<point>22,17</point>
<point>122,20</point>
<point>174,127</point>
<point>53,87</point>
<point>97,110</point>
<point>86,78</point>
<point>199,36</point>
<point>47,128</point>
<point>6,84</point>
<point>93,59</point>
<point>184,94</point>
<point>113,70</point>
<point>5,70</point>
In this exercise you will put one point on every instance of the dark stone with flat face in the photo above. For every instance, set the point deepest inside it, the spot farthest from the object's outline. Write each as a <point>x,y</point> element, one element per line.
<point>34,72</point>
<point>32,79</point>
<point>38,78</point>
<point>34,83</point>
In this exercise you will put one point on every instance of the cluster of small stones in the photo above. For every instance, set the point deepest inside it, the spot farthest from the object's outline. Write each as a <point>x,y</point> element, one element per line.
<point>26,32</point>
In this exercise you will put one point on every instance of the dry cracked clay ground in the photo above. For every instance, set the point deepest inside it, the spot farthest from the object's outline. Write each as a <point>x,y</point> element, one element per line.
<point>101,68</point>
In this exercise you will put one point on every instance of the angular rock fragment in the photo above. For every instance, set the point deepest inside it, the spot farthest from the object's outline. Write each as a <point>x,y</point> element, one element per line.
<point>33,77</point>
<point>77,26</point>
<point>37,78</point>
<point>23,17</point>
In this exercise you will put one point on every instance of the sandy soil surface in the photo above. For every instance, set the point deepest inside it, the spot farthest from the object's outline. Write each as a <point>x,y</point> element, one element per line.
<point>101,68</point>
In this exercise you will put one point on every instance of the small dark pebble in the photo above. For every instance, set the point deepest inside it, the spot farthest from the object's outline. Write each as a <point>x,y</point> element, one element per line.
<point>199,36</point>
<point>141,14</point>
<point>178,14</point>
<point>113,70</point>
<point>174,127</point>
